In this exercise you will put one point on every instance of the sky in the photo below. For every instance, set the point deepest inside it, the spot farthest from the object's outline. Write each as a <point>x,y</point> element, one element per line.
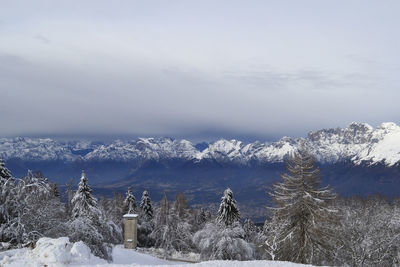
<point>197,69</point>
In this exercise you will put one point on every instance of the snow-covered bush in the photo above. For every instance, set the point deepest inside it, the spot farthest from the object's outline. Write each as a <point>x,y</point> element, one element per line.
<point>36,211</point>
<point>219,242</point>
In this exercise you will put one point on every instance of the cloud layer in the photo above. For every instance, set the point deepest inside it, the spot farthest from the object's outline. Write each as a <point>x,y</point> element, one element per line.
<point>196,68</point>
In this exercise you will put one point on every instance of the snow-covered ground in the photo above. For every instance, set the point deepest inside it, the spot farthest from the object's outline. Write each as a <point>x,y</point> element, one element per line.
<point>60,252</point>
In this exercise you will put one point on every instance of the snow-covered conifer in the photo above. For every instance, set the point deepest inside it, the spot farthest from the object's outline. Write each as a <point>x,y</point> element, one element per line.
<point>129,202</point>
<point>228,212</point>
<point>83,203</point>
<point>145,206</point>
<point>88,224</point>
<point>302,207</point>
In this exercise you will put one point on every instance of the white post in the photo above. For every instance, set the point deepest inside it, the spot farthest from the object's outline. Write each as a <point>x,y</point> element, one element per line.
<point>130,231</point>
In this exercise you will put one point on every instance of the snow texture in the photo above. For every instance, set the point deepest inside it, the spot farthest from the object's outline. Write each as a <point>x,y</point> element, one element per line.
<point>60,252</point>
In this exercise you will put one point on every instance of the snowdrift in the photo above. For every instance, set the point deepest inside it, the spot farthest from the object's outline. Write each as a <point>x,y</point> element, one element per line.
<point>51,252</point>
<point>61,252</point>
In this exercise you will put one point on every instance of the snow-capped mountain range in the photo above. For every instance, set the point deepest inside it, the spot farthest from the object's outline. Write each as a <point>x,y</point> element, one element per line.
<point>359,143</point>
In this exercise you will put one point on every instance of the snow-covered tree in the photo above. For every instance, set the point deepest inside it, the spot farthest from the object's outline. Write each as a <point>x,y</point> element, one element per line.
<point>201,218</point>
<point>181,205</point>
<point>83,203</point>
<point>250,231</point>
<point>217,242</point>
<point>173,225</point>
<point>8,202</point>
<point>228,212</point>
<point>5,174</point>
<point>225,239</point>
<point>369,232</point>
<point>302,206</point>
<point>116,212</point>
<point>37,212</point>
<point>145,221</point>
<point>129,202</point>
<point>88,224</point>
<point>146,207</point>
<point>161,233</point>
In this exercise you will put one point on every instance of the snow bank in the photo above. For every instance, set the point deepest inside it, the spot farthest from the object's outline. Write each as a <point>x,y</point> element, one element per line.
<point>60,252</point>
<point>51,252</point>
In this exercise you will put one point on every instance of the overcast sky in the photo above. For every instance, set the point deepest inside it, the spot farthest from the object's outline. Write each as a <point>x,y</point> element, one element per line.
<point>197,69</point>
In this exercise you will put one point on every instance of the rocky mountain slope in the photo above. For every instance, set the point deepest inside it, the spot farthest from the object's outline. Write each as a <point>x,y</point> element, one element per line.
<point>359,143</point>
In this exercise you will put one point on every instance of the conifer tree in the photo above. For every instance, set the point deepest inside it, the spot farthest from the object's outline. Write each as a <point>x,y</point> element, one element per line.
<point>83,203</point>
<point>146,225</point>
<point>228,212</point>
<point>145,206</point>
<point>87,223</point>
<point>129,202</point>
<point>302,209</point>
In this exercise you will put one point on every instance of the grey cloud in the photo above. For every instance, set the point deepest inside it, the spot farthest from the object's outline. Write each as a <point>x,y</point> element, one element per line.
<point>185,69</point>
<point>302,80</point>
<point>42,38</point>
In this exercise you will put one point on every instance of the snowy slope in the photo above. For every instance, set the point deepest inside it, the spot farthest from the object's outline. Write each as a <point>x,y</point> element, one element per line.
<point>384,147</point>
<point>60,252</point>
<point>144,148</point>
<point>359,142</point>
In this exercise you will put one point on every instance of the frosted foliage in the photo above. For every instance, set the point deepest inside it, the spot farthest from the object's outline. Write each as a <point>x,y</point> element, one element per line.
<point>250,231</point>
<point>224,243</point>
<point>129,202</point>
<point>83,203</point>
<point>302,207</point>
<point>5,174</point>
<point>83,229</point>
<point>32,211</point>
<point>228,212</point>
<point>145,206</point>
<point>7,200</point>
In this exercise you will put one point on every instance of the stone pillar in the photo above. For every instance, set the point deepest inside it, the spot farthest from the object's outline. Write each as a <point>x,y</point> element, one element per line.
<point>130,231</point>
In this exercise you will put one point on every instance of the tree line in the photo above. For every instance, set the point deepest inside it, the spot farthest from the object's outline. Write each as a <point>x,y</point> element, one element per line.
<point>308,223</point>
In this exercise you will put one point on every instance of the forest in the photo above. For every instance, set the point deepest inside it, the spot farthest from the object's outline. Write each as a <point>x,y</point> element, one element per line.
<point>307,223</point>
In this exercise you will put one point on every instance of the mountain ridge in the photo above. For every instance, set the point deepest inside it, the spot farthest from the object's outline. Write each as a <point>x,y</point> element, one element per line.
<point>358,142</point>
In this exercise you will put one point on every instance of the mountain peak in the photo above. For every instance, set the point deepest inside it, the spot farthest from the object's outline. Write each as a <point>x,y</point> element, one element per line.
<point>358,142</point>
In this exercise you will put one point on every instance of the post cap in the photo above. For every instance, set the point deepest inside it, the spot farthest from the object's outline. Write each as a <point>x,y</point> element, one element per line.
<point>130,215</point>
